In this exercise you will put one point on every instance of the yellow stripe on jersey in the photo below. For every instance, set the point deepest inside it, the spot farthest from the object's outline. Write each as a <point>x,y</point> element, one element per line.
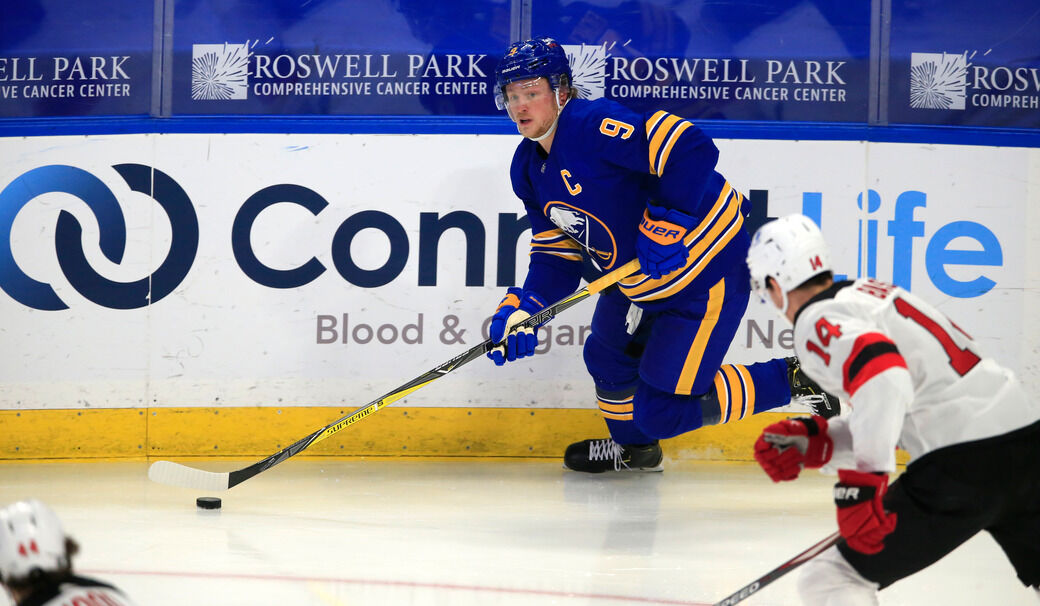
<point>568,256</point>
<point>657,138</point>
<point>562,245</point>
<point>651,124</point>
<point>617,410</point>
<point>716,295</point>
<point>553,235</point>
<point>749,391</point>
<point>609,406</point>
<point>671,143</point>
<point>736,392</point>
<point>722,395</point>
<point>555,242</point>
<point>705,241</point>
<point>662,131</point>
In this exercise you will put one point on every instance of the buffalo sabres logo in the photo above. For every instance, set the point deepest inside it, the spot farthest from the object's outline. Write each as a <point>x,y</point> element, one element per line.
<point>587,230</point>
<point>572,223</point>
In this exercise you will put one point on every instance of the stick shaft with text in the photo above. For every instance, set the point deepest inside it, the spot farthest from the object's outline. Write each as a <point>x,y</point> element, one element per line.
<point>751,588</point>
<point>175,474</point>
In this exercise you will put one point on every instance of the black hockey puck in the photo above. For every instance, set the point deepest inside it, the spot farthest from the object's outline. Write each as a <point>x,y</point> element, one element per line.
<point>208,503</point>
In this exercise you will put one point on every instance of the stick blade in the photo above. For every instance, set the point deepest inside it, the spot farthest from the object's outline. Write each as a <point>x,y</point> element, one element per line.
<point>175,474</point>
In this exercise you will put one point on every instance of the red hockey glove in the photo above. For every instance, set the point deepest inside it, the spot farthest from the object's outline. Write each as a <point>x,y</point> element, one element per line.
<point>786,447</point>
<point>660,246</point>
<point>862,519</point>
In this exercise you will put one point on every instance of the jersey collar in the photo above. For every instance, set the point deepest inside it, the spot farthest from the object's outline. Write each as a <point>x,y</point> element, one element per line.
<point>828,293</point>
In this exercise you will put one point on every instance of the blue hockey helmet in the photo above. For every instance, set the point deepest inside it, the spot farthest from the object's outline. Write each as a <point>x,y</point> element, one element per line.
<point>535,58</point>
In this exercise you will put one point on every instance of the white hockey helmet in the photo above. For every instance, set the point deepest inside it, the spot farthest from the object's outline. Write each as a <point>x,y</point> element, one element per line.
<point>31,538</point>
<point>790,250</point>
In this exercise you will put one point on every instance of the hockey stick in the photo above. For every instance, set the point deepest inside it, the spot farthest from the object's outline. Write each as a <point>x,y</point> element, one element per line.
<point>748,590</point>
<point>175,474</point>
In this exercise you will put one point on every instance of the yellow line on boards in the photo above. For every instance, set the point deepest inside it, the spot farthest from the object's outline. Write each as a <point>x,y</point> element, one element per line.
<point>258,431</point>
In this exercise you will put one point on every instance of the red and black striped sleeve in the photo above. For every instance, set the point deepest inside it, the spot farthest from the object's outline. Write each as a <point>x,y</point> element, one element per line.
<point>872,353</point>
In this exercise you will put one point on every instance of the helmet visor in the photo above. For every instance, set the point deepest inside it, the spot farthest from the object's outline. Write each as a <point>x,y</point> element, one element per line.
<point>521,91</point>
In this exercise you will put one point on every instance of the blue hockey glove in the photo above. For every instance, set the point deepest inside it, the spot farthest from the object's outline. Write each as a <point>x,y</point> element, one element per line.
<point>517,306</point>
<point>660,245</point>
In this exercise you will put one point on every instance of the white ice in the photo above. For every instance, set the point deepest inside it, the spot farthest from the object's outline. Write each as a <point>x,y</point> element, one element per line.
<point>465,532</point>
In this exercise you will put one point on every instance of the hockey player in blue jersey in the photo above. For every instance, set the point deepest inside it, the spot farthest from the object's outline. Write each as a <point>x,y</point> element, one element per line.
<point>602,181</point>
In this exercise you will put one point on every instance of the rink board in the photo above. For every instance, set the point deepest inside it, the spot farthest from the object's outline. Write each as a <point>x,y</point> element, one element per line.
<point>395,431</point>
<point>328,269</point>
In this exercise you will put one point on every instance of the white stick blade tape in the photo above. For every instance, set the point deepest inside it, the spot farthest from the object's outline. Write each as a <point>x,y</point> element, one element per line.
<point>175,474</point>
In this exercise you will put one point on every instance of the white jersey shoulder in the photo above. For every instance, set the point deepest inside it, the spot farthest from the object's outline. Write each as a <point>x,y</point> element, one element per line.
<point>861,340</point>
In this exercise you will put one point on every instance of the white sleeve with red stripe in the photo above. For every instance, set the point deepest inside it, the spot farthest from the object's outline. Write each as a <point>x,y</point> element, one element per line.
<point>852,358</point>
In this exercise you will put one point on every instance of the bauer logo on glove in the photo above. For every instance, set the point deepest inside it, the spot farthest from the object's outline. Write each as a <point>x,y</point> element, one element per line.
<point>660,247</point>
<point>862,519</point>
<point>514,342</point>
<point>661,232</point>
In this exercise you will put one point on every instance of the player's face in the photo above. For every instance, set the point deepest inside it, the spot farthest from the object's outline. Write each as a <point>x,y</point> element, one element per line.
<point>530,104</point>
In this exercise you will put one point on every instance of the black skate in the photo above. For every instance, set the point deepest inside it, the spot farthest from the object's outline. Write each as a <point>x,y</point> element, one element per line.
<point>806,391</point>
<point>597,456</point>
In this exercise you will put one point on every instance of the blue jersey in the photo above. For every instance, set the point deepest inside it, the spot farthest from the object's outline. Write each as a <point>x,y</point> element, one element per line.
<point>587,197</point>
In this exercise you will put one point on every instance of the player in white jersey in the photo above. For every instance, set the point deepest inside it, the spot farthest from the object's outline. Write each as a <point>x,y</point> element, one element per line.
<point>915,380</point>
<point>36,561</point>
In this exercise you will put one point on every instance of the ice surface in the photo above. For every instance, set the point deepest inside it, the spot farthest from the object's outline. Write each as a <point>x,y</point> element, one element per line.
<point>464,532</point>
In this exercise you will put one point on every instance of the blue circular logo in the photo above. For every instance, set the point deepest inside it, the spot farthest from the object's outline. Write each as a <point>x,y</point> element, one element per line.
<point>68,244</point>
